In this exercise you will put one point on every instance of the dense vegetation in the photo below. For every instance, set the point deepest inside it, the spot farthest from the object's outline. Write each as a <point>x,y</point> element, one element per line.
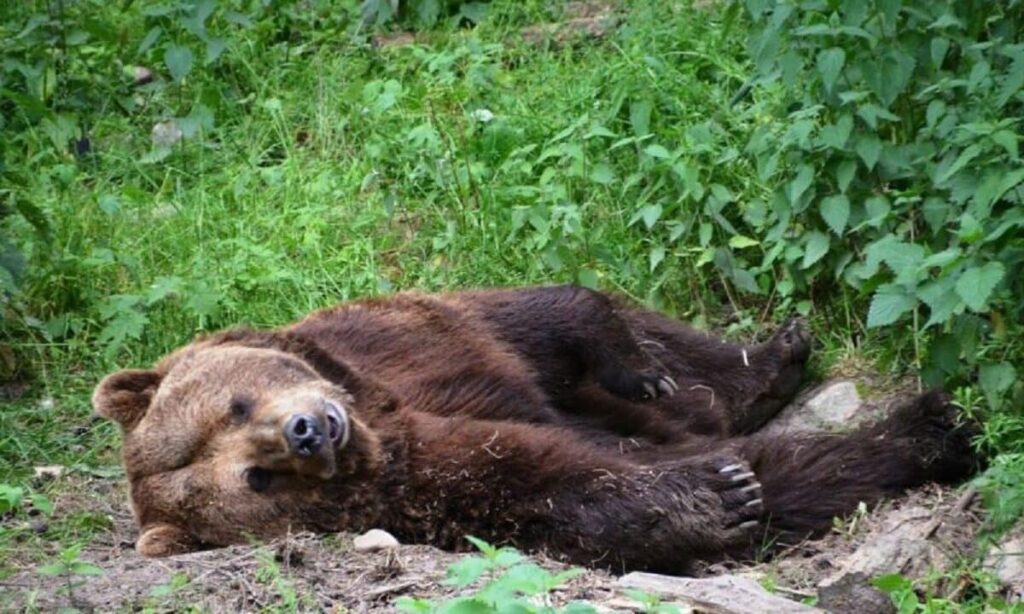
<point>174,167</point>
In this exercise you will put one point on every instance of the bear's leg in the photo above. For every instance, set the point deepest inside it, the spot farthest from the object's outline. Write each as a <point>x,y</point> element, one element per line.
<point>751,383</point>
<point>568,333</point>
<point>808,480</point>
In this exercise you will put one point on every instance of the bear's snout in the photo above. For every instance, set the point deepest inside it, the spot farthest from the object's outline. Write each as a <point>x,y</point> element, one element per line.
<point>307,433</point>
<point>304,435</point>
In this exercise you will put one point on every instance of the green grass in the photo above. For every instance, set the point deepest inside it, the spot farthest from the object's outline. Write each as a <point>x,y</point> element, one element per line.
<point>318,168</point>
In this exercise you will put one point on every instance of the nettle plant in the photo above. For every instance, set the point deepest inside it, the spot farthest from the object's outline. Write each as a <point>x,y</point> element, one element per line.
<point>898,169</point>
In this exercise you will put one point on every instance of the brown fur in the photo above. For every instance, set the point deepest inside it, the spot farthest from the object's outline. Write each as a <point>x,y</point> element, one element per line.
<point>539,417</point>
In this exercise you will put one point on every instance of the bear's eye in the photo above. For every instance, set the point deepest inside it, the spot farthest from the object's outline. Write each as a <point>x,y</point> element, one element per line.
<point>258,479</point>
<point>240,408</point>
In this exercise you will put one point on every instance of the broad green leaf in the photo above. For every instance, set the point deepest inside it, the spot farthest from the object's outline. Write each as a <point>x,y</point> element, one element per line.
<point>836,135</point>
<point>868,146</point>
<point>602,173</point>
<point>1007,140</point>
<point>467,570</point>
<point>830,64</point>
<point>939,49</point>
<point>969,153</point>
<point>41,503</point>
<point>835,210</point>
<point>941,299</point>
<point>81,568</point>
<point>657,151</point>
<point>995,380</point>
<point>741,241</point>
<point>428,11</point>
<point>704,234</point>
<point>178,60</point>
<point>588,278</point>
<point>109,204</point>
<point>845,173</point>
<point>815,248</point>
<point>640,117</point>
<point>1013,82</point>
<point>936,109</point>
<point>976,284</point>
<point>650,215</point>
<point>657,254</point>
<point>52,569</point>
<point>888,305</point>
<point>877,208</point>
<point>799,185</point>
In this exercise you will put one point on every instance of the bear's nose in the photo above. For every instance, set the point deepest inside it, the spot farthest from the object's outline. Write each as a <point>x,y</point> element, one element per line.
<point>304,435</point>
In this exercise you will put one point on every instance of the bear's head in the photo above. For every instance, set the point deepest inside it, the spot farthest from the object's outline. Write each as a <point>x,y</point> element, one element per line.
<point>243,434</point>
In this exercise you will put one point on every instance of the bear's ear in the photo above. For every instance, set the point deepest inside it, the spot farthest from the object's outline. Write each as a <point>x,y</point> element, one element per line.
<point>124,396</point>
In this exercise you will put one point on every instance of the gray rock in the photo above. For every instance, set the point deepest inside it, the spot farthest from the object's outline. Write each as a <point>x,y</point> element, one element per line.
<point>374,540</point>
<point>718,595</point>
<point>1006,560</point>
<point>833,406</point>
<point>854,594</point>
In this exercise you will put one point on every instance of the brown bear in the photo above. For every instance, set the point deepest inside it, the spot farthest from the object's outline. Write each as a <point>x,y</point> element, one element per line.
<point>551,418</point>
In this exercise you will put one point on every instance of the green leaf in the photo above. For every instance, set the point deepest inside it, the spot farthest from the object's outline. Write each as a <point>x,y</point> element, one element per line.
<point>969,153</point>
<point>741,241</point>
<point>891,583</point>
<point>815,248</point>
<point>656,255</point>
<point>1008,141</point>
<point>588,278</point>
<point>602,173</point>
<point>936,109</point>
<point>640,117</point>
<point>81,568</point>
<point>976,284</point>
<point>10,497</point>
<point>830,64</point>
<point>888,305</point>
<point>178,60</point>
<point>650,215</point>
<point>877,208</point>
<point>835,210</point>
<point>467,570</point>
<point>845,173</point>
<point>939,48</point>
<point>995,380</point>
<point>836,135</point>
<point>657,151</point>
<point>52,569</point>
<point>109,204</point>
<point>428,11</point>
<point>41,503</point>
<point>868,146</point>
<point>799,185</point>
<point>941,299</point>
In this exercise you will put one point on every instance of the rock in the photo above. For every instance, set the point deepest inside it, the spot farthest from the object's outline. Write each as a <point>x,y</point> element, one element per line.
<point>718,595</point>
<point>833,406</point>
<point>374,540</point>
<point>166,133</point>
<point>1006,560</point>
<point>853,594</point>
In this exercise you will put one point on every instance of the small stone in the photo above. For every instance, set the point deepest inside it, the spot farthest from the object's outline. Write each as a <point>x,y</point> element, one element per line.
<point>39,527</point>
<point>1006,560</point>
<point>374,540</point>
<point>141,75</point>
<point>166,133</point>
<point>48,472</point>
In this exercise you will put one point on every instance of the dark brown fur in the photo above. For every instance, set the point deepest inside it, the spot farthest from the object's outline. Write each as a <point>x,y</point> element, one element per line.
<point>518,416</point>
